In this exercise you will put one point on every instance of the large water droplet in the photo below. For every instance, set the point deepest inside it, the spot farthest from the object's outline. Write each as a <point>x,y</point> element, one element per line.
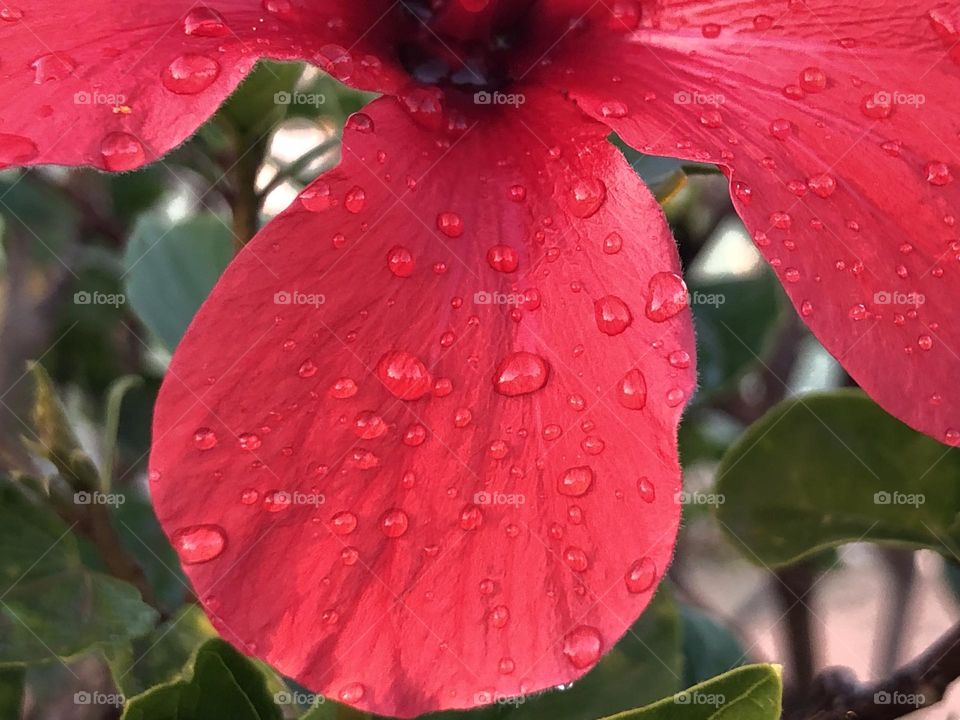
<point>394,523</point>
<point>575,481</point>
<point>205,438</point>
<point>586,196</point>
<point>520,373</point>
<point>203,21</point>
<point>632,390</point>
<point>641,575</point>
<point>583,646</point>
<point>199,543</point>
<point>450,224</point>
<point>404,375</point>
<point>121,151</point>
<point>667,296</point>
<point>612,314</point>
<point>190,73</point>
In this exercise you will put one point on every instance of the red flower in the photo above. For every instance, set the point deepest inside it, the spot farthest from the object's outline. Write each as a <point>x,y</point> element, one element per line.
<point>420,443</point>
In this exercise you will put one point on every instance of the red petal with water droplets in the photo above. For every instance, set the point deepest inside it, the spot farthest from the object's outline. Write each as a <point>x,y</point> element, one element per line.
<point>836,123</point>
<point>489,488</point>
<point>91,83</point>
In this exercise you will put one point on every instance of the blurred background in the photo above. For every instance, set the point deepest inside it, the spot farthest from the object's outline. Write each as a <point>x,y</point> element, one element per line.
<point>99,276</point>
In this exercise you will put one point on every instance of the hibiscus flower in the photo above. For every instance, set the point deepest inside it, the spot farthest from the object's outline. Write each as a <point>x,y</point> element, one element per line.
<point>418,448</point>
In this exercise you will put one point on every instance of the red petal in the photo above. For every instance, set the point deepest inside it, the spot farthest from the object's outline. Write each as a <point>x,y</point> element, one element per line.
<point>497,495</point>
<point>91,83</point>
<point>837,123</point>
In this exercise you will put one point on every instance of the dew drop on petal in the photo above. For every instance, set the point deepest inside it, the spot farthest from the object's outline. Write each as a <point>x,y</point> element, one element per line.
<point>612,315</point>
<point>632,390</point>
<point>190,73</point>
<point>203,21</point>
<point>585,197</point>
<point>667,296</point>
<point>520,373</point>
<point>355,200</point>
<point>344,523</point>
<point>199,543</point>
<point>575,481</point>
<point>583,646</point>
<point>352,694</point>
<point>404,375</point>
<point>641,575</point>
<point>205,438</point>
<point>394,523</point>
<point>121,151</point>
<point>450,224</point>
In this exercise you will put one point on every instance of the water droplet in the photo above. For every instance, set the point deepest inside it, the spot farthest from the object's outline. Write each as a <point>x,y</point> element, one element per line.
<point>583,646</point>
<point>518,193</point>
<point>506,666</point>
<point>277,501</point>
<point>612,315</point>
<point>203,21</point>
<point>344,523</point>
<point>878,106</point>
<point>613,109</point>
<point>462,417</point>
<point>355,199</point>
<point>199,543</point>
<point>343,388</point>
<point>394,523</point>
<point>404,375</point>
<point>450,224</point>
<point>938,173</point>
<point>249,496</point>
<point>710,30</point>
<point>190,73</point>
<point>352,694</point>
<point>641,575</point>
<point>813,80</point>
<point>349,556</point>
<point>121,151</point>
<point>711,119</point>
<point>415,435</point>
<point>646,489</point>
<point>503,258</point>
<point>205,438</point>
<point>612,243</point>
<point>822,185</point>
<point>51,67</point>
<point>857,312</point>
<point>679,359</point>
<point>10,14</point>
<point>360,122</point>
<point>576,559</point>
<point>667,296</point>
<point>400,261</point>
<point>575,481</point>
<point>586,196</point>
<point>368,425</point>
<point>471,517</point>
<point>307,369</point>
<point>632,390</point>
<point>925,342</point>
<point>500,616</point>
<point>15,149</point>
<point>318,197</point>
<point>520,373</point>
<point>675,396</point>
<point>249,441</point>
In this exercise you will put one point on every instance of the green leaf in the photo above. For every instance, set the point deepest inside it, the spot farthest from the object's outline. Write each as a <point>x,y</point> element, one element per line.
<point>171,270</point>
<point>830,468</point>
<point>735,321</point>
<point>162,655</point>
<point>708,648</point>
<point>257,105</point>
<point>224,685</point>
<point>111,425</point>
<point>53,605</point>
<point>51,436</point>
<point>748,693</point>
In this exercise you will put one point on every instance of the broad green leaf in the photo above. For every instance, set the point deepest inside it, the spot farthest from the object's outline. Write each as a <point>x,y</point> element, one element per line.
<point>825,469</point>
<point>224,685</point>
<point>51,437</point>
<point>748,693</point>
<point>171,269</point>
<point>735,321</point>
<point>162,655</point>
<point>646,663</point>
<point>53,605</point>
<point>708,648</point>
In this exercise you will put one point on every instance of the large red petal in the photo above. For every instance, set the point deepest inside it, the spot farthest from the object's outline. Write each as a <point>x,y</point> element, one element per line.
<point>838,123</point>
<point>495,448</point>
<point>115,85</point>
